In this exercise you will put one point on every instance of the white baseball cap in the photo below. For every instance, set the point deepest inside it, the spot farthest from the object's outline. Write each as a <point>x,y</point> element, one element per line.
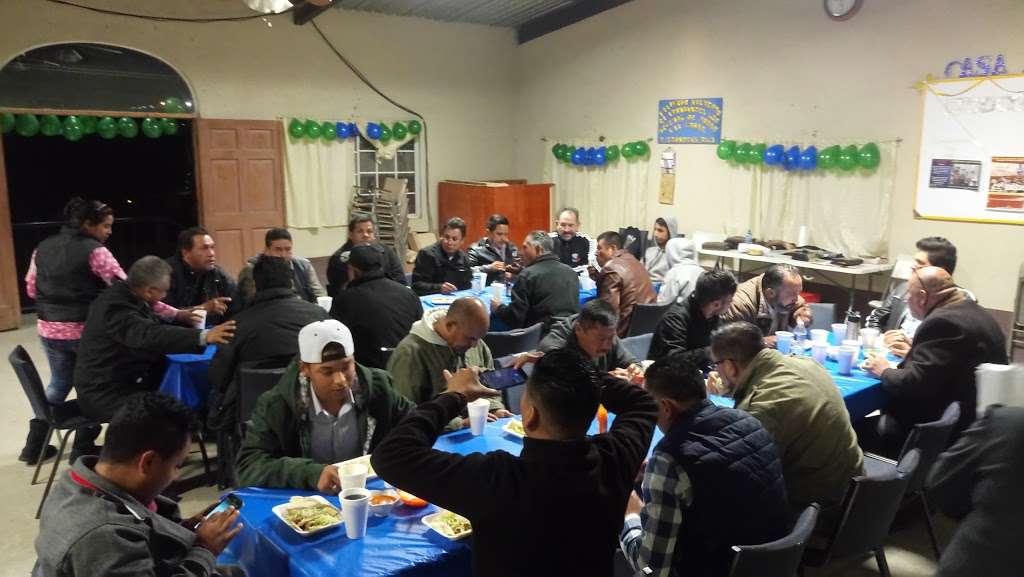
<point>315,336</point>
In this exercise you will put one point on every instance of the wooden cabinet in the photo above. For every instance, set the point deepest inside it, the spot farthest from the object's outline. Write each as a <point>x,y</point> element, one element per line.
<point>527,206</point>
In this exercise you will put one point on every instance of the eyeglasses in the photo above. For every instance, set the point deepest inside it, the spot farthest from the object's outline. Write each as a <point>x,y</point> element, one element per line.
<point>718,362</point>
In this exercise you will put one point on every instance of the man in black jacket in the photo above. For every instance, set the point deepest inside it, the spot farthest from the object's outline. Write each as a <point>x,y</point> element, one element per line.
<point>572,247</point>
<point>715,480</point>
<point>978,480</point>
<point>196,280</point>
<point>956,336</point>
<point>361,230</point>
<point>590,333</point>
<point>545,292</point>
<point>442,267</point>
<point>124,343</point>
<point>494,254</point>
<point>687,326</point>
<point>378,310</point>
<point>267,334</point>
<point>557,508</point>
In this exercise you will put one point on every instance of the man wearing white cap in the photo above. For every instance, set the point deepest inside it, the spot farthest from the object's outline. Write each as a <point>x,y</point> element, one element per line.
<point>326,408</point>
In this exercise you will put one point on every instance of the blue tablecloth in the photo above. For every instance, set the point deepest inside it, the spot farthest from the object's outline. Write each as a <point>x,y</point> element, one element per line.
<point>187,377</point>
<point>496,325</point>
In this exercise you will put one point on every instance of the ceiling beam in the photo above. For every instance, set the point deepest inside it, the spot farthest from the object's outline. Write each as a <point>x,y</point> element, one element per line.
<point>563,17</point>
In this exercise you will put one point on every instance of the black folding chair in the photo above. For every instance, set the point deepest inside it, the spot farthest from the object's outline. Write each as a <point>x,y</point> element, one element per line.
<point>253,380</point>
<point>514,341</point>
<point>824,315</point>
<point>645,318</point>
<point>638,345</point>
<point>63,418</point>
<point>866,515</point>
<point>930,440</point>
<point>779,558</point>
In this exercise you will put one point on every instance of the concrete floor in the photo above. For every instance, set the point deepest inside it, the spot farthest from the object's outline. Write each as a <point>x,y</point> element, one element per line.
<point>907,550</point>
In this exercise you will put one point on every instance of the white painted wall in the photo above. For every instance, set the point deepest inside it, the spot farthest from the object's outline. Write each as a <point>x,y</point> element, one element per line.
<point>456,75</point>
<point>787,72</point>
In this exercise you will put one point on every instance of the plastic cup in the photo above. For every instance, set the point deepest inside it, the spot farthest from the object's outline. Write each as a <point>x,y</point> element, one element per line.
<point>819,351</point>
<point>855,343</point>
<point>355,508</point>
<point>867,338</point>
<point>353,475</point>
<point>479,281</point>
<point>783,341</point>
<point>838,333</point>
<point>497,290</point>
<point>845,357</point>
<point>325,303</point>
<point>478,415</point>
<point>200,323</point>
<point>819,336</point>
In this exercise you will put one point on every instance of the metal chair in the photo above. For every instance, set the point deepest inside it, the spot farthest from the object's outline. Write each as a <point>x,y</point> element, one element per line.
<point>930,440</point>
<point>514,341</point>
<point>254,379</point>
<point>63,418</point>
<point>866,514</point>
<point>901,272</point>
<point>824,315</point>
<point>645,318</point>
<point>639,345</point>
<point>779,558</point>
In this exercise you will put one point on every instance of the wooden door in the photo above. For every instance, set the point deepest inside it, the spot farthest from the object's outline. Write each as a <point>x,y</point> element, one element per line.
<point>241,185</point>
<point>10,302</point>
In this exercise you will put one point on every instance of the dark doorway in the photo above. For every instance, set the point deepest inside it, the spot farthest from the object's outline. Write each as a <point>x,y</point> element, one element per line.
<point>150,183</point>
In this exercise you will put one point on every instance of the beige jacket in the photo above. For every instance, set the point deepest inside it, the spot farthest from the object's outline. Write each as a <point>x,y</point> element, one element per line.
<point>750,305</point>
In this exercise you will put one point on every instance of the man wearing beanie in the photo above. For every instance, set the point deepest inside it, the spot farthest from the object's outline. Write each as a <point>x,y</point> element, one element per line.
<point>378,310</point>
<point>325,409</point>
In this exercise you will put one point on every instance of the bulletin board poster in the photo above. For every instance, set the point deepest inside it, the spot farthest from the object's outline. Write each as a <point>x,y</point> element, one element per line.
<point>690,121</point>
<point>971,162</point>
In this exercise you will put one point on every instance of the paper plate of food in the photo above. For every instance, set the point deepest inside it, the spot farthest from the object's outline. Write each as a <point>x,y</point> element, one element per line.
<point>449,525</point>
<point>442,300</point>
<point>364,460</point>
<point>308,515</point>
<point>515,428</point>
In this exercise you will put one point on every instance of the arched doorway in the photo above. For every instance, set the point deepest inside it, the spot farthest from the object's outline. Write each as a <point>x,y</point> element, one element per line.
<point>145,169</point>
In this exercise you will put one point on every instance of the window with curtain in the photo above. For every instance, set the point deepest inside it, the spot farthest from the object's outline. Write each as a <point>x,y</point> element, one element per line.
<point>406,164</point>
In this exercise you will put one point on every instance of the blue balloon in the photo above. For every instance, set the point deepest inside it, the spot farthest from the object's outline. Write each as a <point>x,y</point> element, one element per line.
<point>341,129</point>
<point>353,129</point>
<point>373,130</point>
<point>774,154</point>
<point>791,161</point>
<point>591,153</point>
<point>579,157</point>
<point>600,157</point>
<point>809,158</point>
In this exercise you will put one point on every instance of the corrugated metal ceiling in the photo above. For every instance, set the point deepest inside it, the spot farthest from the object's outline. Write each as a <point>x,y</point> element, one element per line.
<point>505,13</point>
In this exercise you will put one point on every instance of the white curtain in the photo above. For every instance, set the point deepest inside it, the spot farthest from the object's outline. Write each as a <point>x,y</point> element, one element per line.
<point>608,197</point>
<point>318,179</point>
<point>844,211</point>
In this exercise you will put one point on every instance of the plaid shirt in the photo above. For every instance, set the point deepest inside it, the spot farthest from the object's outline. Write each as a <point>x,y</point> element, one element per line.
<point>648,540</point>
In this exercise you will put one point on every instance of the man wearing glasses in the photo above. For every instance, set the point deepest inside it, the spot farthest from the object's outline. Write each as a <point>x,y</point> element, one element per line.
<point>956,335</point>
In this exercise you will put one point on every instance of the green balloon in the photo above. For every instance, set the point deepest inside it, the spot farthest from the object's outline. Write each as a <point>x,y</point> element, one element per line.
<point>415,127</point>
<point>49,125</point>
<point>385,133</point>
<point>327,131</point>
<point>568,152</point>
<point>869,156</point>
<point>641,148</point>
<point>399,131</point>
<point>127,127</point>
<point>106,128</point>
<point>296,129</point>
<point>756,155</point>
<point>6,122</point>
<point>151,128</point>
<point>829,157</point>
<point>173,105</point>
<point>743,152</point>
<point>557,151</point>
<point>726,149</point>
<point>26,124</point>
<point>848,158</point>
<point>611,153</point>
<point>312,129</point>
<point>88,124</point>
<point>628,151</point>
<point>169,126</point>
<point>72,128</point>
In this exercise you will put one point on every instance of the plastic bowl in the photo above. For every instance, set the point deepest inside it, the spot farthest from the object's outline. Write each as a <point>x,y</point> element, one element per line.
<point>383,509</point>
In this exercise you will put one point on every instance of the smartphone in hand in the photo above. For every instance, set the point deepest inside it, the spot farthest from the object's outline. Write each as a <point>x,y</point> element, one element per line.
<point>230,501</point>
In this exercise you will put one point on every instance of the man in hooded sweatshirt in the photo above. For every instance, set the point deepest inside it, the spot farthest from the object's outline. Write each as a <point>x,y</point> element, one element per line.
<point>443,340</point>
<point>683,272</point>
<point>656,256</point>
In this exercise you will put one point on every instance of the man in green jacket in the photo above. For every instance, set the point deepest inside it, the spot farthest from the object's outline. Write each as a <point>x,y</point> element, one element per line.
<point>443,340</point>
<point>325,409</point>
<point>798,403</point>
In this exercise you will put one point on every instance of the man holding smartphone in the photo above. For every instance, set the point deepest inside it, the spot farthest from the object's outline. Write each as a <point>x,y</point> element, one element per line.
<point>106,517</point>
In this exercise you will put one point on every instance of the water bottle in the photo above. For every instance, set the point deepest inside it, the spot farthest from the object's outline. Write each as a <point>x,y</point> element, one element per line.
<point>749,237</point>
<point>800,334</point>
<point>852,325</point>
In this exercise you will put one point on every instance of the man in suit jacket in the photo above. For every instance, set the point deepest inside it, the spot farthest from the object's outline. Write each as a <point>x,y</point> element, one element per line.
<point>956,336</point>
<point>978,480</point>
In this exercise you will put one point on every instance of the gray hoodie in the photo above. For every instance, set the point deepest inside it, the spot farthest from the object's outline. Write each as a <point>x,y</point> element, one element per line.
<point>683,271</point>
<point>656,258</point>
